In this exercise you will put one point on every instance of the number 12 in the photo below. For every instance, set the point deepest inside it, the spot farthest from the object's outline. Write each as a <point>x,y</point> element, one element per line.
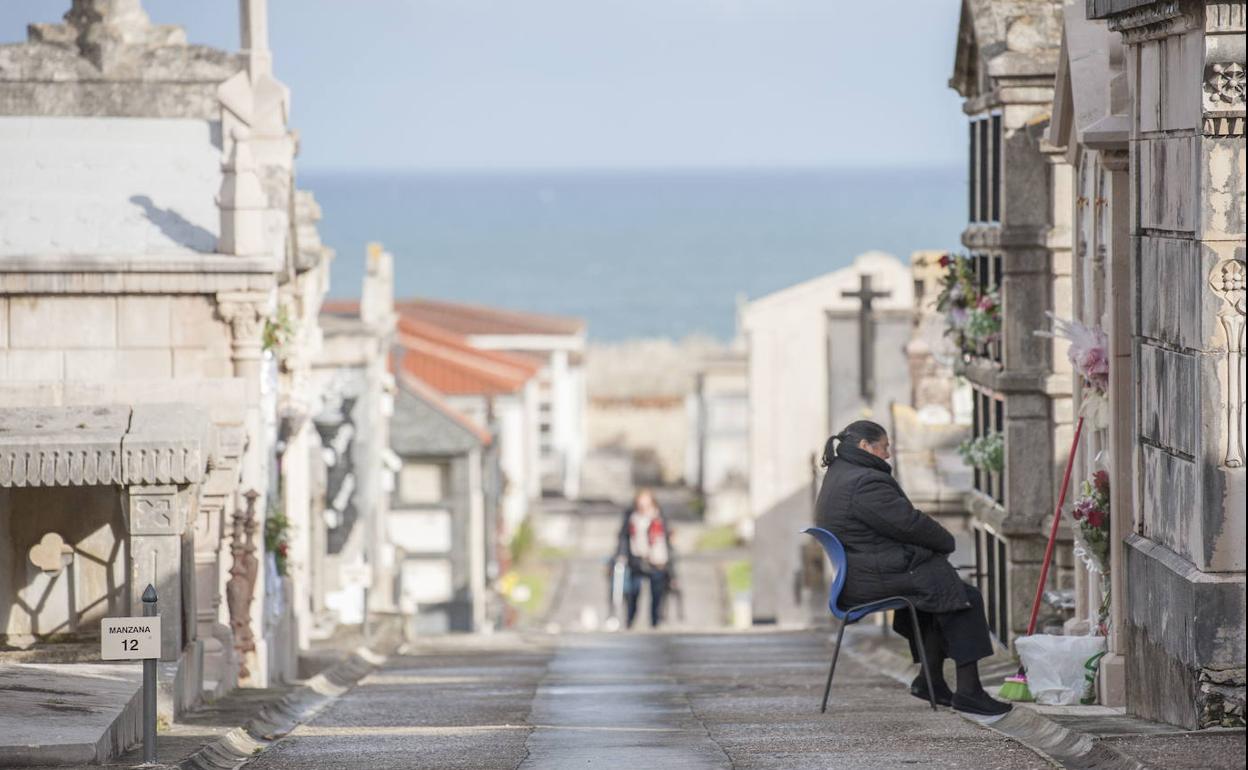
<point>130,645</point>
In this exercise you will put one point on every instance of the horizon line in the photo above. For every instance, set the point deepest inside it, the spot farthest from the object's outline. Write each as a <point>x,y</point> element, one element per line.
<point>619,170</point>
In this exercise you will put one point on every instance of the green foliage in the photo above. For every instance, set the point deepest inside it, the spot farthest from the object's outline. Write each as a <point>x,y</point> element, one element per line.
<point>279,331</point>
<point>718,539</point>
<point>986,452</point>
<point>277,539</point>
<point>552,553</point>
<point>538,584</point>
<point>739,575</point>
<point>522,542</point>
<point>983,323</point>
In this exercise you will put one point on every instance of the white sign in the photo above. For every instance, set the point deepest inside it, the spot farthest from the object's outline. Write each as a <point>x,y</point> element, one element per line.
<point>130,638</point>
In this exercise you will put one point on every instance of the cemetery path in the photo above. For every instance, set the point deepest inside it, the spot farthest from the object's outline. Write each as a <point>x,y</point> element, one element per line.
<point>656,700</point>
<point>582,595</point>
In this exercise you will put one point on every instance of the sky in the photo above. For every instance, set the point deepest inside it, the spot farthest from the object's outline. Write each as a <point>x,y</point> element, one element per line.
<point>610,84</point>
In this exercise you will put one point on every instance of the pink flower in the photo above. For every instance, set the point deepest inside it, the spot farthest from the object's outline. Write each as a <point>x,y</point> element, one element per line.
<point>1093,364</point>
<point>986,302</point>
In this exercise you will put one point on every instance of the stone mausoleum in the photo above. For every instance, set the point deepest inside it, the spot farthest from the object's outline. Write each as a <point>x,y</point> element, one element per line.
<point>160,282</point>
<point>1165,263</point>
<point>1017,238</point>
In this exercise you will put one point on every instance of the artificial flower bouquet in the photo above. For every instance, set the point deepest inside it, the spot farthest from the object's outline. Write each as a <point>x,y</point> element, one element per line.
<point>1089,356</point>
<point>985,452</point>
<point>958,295</point>
<point>983,324</point>
<point>1091,511</point>
<point>1091,514</point>
<point>277,540</point>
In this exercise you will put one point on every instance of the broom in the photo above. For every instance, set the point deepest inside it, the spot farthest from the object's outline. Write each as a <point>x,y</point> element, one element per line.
<point>1015,687</point>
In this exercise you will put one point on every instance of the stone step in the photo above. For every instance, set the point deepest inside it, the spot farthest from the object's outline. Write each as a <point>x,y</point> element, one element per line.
<point>68,713</point>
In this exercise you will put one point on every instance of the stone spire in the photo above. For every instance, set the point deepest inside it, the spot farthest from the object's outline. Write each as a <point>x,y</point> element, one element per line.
<point>253,18</point>
<point>377,298</point>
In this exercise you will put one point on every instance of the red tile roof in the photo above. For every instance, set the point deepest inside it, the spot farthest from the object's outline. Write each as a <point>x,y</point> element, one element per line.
<point>447,363</point>
<point>342,307</point>
<point>468,319</point>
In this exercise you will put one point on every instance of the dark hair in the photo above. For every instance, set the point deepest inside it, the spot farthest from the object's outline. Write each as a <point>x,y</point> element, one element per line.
<point>859,430</point>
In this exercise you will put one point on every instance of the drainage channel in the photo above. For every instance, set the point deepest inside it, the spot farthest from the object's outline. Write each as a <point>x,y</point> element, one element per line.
<point>609,700</point>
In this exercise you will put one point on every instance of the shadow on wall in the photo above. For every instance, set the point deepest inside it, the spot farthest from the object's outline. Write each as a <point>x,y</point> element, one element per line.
<point>176,227</point>
<point>68,602</point>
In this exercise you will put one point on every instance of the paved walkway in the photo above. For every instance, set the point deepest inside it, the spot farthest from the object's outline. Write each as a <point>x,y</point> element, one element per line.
<point>582,597</point>
<point>641,700</point>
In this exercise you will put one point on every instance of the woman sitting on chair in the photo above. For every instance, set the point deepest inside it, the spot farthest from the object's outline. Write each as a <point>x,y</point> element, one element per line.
<point>893,549</point>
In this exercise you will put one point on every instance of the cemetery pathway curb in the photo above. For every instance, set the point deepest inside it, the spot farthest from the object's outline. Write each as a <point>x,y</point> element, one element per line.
<point>1060,745</point>
<point>274,721</point>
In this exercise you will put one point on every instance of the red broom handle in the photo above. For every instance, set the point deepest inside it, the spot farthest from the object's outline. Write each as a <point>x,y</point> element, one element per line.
<point>1057,517</point>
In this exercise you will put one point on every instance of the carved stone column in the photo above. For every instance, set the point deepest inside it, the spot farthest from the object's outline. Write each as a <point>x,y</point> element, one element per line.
<point>1227,281</point>
<point>156,519</point>
<point>212,555</point>
<point>245,313</point>
<point>241,587</point>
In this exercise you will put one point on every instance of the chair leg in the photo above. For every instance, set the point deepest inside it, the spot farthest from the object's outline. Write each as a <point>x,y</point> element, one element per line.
<point>835,654</point>
<point>927,673</point>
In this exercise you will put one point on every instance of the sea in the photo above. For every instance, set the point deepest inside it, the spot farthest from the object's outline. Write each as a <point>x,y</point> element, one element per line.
<point>637,254</point>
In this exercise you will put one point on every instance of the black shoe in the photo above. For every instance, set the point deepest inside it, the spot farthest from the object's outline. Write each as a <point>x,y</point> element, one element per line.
<point>918,688</point>
<point>981,703</point>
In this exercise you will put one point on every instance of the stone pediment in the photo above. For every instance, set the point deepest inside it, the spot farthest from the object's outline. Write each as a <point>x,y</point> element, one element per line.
<point>1091,88</point>
<point>1007,38</point>
<point>103,445</point>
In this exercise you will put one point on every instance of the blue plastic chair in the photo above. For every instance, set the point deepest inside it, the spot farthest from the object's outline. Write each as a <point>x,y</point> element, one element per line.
<point>836,554</point>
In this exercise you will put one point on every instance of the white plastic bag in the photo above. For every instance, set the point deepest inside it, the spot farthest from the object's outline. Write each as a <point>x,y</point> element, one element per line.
<point>1054,664</point>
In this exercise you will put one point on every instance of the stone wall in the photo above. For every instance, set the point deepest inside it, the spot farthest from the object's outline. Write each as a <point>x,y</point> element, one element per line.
<point>653,431</point>
<point>102,338</point>
<point>90,582</point>
<point>139,186</point>
<point>1185,559</point>
<point>1006,60</point>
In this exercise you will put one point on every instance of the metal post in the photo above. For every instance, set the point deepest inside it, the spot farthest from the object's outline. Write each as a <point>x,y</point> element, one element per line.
<point>149,685</point>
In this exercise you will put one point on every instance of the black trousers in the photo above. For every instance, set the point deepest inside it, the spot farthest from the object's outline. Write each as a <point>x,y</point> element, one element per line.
<point>632,593</point>
<point>963,634</point>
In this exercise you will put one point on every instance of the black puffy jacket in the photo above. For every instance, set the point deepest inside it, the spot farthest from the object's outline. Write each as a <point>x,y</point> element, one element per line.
<point>892,548</point>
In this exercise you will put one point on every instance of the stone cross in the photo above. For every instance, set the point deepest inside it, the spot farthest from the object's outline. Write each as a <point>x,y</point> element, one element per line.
<point>253,19</point>
<point>866,336</point>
